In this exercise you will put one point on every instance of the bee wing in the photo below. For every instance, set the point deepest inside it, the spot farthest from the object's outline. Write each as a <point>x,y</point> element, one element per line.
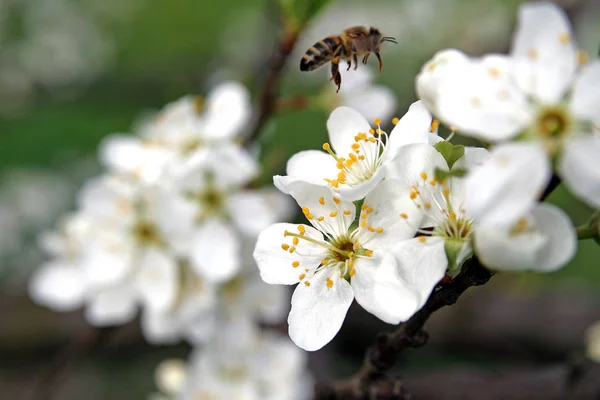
<point>356,32</point>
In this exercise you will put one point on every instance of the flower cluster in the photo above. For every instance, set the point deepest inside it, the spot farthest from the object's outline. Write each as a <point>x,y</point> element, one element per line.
<point>389,215</point>
<point>168,230</point>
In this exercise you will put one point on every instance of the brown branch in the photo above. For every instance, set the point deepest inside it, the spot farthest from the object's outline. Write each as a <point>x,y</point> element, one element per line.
<point>268,96</point>
<point>50,377</point>
<point>372,381</point>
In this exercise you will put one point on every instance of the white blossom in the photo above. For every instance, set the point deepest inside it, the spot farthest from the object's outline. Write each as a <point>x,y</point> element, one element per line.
<point>354,162</point>
<point>334,263</point>
<point>542,96</point>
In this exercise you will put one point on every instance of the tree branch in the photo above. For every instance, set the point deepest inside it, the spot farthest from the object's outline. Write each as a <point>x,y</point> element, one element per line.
<point>267,100</point>
<point>372,381</point>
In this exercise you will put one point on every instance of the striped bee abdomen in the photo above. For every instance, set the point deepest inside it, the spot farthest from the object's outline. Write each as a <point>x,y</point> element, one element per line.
<point>320,53</point>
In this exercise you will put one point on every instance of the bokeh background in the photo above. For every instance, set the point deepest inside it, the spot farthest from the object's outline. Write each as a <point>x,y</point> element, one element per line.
<point>75,71</point>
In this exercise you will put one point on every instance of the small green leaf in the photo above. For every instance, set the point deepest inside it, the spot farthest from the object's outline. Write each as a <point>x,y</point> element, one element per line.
<point>441,174</point>
<point>451,153</point>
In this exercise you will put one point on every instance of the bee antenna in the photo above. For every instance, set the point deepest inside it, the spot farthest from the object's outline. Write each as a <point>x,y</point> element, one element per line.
<point>389,39</point>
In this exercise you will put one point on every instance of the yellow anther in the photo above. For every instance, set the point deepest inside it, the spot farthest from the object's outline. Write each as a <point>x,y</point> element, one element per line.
<point>582,57</point>
<point>296,241</point>
<point>395,120</point>
<point>422,239</point>
<point>339,165</point>
<point>323,261</point>
<point>333,214</point>
<point>326,147</point>
<point>363,224</point>
<point>347,212</point>
<point>285,233</point>
<point>372,140</point>
<point>351,262</point>
<point>307,283</point>
<point>413,195</point>
<point>364,206</point>
<point>329,282</point>
<point>369,253</point>
<point>355,146</point>
<point>424,176</point>
<point>452,216</point>
<point>532,54</point>
<point>446,192</point>
<point>443,182</point>
<point>295,264</point>
<point>432,182</point>
<point>371,131</point>
<point>302,229</point>
<point>369,210</point>
<point>564,38</point>
<point>302,276</point>
<point>285,247</point>
<point>404,215</point>
<point>355,246</point>
<point>305,210</point>
<point>493,72</point>
<point>352,272</point>
<point>309,216</point>
<point>377,121</point>
<point>434,125</point>
<point>292,249</point>
<point>336,200</point>
<point>364,215</point>
<point>361,157</point>
<point>379,230</point>
<point>321,218</point>
<point>371,229</point>
<point>352,157</point>
<point>427,206</point>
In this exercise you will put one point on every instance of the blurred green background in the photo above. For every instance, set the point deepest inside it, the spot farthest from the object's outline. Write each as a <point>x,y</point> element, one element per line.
<point>160,50</point>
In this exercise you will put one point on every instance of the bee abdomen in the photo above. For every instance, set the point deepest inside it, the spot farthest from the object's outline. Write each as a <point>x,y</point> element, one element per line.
<point>318,54</point>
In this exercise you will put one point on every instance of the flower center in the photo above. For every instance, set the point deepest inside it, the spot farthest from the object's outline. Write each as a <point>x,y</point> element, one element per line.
<point>146,233</point>
<point>435,198</point>
<point>362,161</point>
<point>210,201</point>
<point>553,122</point>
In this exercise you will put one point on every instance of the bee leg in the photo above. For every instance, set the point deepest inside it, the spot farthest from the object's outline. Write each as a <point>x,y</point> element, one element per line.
<point>335,73</point>
<point>366,58</point>
<point>349,65</point>
<point>380,63</point>
<point>355,58</point>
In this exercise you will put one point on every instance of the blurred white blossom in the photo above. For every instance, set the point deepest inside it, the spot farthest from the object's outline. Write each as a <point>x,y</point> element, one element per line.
<point>542,95</point>
<point>241,363</point>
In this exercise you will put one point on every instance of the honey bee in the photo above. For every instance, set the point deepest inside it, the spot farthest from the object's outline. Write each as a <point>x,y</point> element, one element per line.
<point>352,43</point>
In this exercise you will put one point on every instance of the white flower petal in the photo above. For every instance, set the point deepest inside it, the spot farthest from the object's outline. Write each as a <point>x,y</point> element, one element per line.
<point>497,249</point>
<point>585,98</point>
<point>58,285</point>
<point>113,306</point>
<point>232,164</point>
<point>379,290</point>
<point>251,211</point>
<point>360,190</point>
<point>227,110</point>
<point>388,201</point>
<point>508,185</point>
<point>354,81</point>
<point>318,201</point>
<point>579,166</point>
<point>160,328</point>
<point>157,280</point>
<point>473,157</point>
<point>215,251</point>
<point>147,160</point>
<point>276,264</point>
<point>175,216</point>
<point>108,259</point>
<point>421,265</point>
<point>312,166</point>
<point>481,100</point>
<point>343,124</point>
<point>413,127</point>
<point>373,102</point>
<point>413,160</point>
<point>318,311</point>
<point>543,51</point>
<point>561,243</point>
<point>435,71</point>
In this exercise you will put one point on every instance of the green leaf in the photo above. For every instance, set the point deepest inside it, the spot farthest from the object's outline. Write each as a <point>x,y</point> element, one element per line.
<point>451,153</point>
<point>441,174</point>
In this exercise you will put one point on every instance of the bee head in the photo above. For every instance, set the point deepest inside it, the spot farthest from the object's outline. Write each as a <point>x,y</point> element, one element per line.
<point>377,38</point>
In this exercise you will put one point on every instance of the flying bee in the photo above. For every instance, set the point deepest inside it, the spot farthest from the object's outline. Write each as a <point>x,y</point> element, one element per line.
<point>354,42</point>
